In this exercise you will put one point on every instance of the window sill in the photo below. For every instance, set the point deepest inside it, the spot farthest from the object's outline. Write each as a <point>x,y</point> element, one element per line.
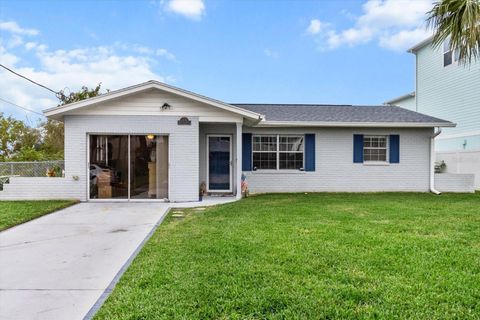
<point>278,172</point>
<point>376,163</point>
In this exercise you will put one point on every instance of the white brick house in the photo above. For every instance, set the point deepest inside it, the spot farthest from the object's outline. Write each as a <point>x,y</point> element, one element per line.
<point>156,142</point>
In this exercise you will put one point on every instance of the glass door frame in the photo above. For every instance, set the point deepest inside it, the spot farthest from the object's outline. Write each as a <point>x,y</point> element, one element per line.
<point>230,165</point>
<point>128,199</point>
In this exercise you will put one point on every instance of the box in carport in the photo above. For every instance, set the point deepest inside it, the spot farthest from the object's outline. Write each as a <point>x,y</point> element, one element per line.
<point>104,184</point>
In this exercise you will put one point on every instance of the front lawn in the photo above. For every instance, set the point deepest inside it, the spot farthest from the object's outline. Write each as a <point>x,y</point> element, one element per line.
<point>16,212</point>
<point>310,256</point>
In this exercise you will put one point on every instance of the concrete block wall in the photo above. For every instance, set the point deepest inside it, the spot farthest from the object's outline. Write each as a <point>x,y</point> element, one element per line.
<point>40,188</point>
<point>335,170</point>
<point>183,147</point>
<point>183,157</point>
<point>462,161</point>
<point>455,182</point>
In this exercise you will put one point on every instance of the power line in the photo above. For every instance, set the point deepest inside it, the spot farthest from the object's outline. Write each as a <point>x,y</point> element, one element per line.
<point>26,109</point>
<point>32,81</point>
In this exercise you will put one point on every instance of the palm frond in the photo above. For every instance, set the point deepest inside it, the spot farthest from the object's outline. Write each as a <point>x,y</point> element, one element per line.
<point>459,21</point>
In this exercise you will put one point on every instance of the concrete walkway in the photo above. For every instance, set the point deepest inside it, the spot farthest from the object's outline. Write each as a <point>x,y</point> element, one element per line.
<point>60,265</point>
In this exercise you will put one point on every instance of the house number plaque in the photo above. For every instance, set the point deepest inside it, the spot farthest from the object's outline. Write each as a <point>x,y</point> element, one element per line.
<point>184,121</point>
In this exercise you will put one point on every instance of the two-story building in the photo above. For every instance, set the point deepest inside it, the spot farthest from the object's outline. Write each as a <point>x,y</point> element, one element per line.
<point>447,89</point>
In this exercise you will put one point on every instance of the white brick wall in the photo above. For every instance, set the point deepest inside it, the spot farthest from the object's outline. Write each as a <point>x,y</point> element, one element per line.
<point>183,154</point>
<point>40,188</point>
<point>335,170</point>
<point>183,147</point>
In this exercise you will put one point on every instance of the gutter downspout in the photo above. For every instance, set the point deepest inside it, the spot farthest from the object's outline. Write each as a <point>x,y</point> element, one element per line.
<point>432,162</point>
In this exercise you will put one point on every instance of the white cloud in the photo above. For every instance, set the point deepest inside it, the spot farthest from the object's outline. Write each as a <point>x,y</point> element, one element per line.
<point>403,39</point>
<point>394,24</point>
<point>271,53</point>
<point>115,66</point>
<point>14,41</point>
<point>7,58</point>
<point>350,37</point>
<point>30,45</point>
<point>394,13</point>
<point>160,52</point>
<point>192,9</point>
<point>165,53</point>
<point>314,27</point>
<point>13,27</point>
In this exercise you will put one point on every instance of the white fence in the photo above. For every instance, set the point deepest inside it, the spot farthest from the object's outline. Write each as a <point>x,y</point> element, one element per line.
<point>462,162</point>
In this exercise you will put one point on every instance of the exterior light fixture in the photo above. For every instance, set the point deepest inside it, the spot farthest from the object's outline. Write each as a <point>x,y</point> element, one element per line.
<point>150,136</point>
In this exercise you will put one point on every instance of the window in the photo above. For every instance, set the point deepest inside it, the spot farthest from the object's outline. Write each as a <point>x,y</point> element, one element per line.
<point>449,56</point>
<point>264,152</point>
<point>277,152</point>
<point>291,152</point>
<point>375,148</point>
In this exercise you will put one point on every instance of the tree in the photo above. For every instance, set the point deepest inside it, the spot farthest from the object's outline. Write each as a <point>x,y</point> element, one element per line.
<point>53,131</point>
<point>459,22</point>
<point>83,94</point>
<point>18,141</point>
<point>53,139</point>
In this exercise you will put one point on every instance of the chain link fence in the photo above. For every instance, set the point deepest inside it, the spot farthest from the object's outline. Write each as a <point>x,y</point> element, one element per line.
<point>53,168</point>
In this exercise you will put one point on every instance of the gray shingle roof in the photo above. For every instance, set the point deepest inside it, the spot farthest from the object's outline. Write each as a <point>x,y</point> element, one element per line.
<point>338,113</point>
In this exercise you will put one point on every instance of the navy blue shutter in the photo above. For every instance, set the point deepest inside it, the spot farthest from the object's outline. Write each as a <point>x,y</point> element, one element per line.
<point>310,152</point>
<point>394,148</point>
<point>247,152</point>
<point>358,148</point>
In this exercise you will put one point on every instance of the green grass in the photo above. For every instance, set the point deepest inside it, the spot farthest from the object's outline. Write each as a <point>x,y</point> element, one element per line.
<point>315,256</point>
<point>16,212</point>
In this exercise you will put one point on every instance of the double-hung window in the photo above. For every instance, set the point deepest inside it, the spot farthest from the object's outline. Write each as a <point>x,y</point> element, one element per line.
<point>291,152</point>
<point>265,149</point>
<point>449,56</point>
<point>278,152</point>
<point>375,148</point>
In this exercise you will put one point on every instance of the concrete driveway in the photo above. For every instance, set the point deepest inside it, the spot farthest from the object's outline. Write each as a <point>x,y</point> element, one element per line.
<point>58,266</point>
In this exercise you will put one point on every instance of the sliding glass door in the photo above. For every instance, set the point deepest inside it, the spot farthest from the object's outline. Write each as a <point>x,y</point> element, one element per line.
<point>128,166</point>
<point>108,167</point>
<point>148,167</point>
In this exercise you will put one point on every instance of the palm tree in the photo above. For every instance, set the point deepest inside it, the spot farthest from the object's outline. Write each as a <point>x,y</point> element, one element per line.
<point>459,22</point>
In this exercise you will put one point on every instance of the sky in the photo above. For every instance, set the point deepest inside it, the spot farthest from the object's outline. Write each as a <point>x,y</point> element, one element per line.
<point>241,51</point>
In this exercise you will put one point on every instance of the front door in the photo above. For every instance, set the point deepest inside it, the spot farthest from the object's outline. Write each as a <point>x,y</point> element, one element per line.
<point>219,164</point>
